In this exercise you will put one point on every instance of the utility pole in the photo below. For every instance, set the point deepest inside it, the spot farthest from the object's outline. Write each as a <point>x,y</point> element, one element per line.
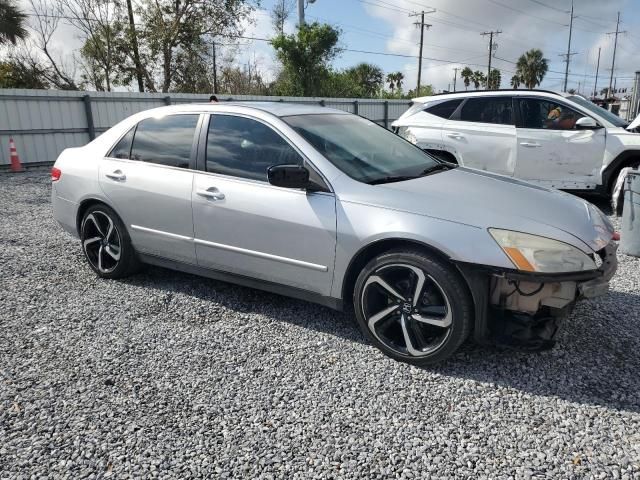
<point>491,34</point>
<point>615,46</point>
<point>422,25</point>
<point>569,53</point>
<point>455,77</point>
<point>300,13</point>
<point>595,87</point>
<point>215,68</point>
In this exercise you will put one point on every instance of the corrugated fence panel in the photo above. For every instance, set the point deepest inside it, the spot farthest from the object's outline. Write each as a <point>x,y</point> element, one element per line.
<point>45,122</point>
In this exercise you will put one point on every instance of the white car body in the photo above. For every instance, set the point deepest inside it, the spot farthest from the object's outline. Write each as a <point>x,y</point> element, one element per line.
<point>578,158</point>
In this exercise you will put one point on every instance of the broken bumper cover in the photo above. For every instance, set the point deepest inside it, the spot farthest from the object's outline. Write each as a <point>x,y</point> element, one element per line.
<point>600,285</point>
<point>510,314</point>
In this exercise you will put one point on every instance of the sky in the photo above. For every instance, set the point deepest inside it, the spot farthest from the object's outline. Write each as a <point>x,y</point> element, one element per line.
<point>454,38</point>
<point>382,32</point>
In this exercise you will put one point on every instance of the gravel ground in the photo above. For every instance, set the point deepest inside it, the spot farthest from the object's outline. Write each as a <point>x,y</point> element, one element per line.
<point>174,376</point>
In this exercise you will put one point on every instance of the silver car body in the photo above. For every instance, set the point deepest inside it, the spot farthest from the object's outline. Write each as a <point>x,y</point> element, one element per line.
<point>303,241</point>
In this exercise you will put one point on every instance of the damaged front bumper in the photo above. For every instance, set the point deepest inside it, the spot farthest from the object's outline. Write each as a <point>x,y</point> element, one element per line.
<point>525,310</point>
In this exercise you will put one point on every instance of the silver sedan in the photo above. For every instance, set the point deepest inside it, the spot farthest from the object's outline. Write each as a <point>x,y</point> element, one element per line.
<point>329,207</point>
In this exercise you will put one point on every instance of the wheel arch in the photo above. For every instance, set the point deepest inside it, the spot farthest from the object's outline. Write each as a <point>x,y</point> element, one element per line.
<point>375,248</point>
<point>85,205</point>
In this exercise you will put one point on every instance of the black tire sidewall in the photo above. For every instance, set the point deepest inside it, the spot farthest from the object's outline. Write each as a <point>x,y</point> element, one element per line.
<point>128,260</point>
<point>449,280</point>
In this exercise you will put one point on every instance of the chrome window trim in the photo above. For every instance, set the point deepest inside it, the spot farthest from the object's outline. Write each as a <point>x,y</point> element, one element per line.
<point>231,248</point>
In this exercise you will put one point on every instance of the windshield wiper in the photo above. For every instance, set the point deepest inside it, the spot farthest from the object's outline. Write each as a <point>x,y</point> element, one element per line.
<point>436,168</point>
<point>391,178</point>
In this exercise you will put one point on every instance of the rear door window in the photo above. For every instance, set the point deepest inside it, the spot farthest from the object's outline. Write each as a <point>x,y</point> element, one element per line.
<point>444,109</point>
<point>165,141</point>
<point>122,149</point>
<point>488,110</point>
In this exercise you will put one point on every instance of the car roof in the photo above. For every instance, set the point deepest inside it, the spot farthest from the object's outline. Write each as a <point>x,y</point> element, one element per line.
<point>279,109</point>
<point>492,93</point>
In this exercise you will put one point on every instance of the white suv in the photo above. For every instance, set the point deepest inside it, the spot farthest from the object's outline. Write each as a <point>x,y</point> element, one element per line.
<point>554,140</point>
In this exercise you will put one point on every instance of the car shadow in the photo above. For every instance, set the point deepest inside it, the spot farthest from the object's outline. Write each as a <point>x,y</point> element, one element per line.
<point>593,362</point>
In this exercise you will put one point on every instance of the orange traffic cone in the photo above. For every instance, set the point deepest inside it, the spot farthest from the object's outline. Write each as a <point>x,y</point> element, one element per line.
<point>16,166</point>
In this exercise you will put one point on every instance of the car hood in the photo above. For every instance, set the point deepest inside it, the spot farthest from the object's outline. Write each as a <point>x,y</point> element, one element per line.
<point>634,124</point>
<point>482,199</point>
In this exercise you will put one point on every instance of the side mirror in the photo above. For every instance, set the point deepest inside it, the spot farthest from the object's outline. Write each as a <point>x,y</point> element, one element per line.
<point>586,123</point>
<point>288,176</point>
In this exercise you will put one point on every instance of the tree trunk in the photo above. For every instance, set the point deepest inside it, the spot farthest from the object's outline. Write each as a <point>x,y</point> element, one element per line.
<point>134,44</point>
<point>166,83</point>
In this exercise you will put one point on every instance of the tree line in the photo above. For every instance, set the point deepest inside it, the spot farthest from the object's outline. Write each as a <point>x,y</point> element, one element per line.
<point>191,46</point>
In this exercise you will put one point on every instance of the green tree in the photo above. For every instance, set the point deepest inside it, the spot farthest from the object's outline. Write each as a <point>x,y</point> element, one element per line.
<point>305,58</point>
<point>532,67</point>
<point>478,79</point>
<point>19,74</point>
<point>467,77</point>
<point>12,23</point>
<point>515,81</point>
<point>425,91</point>
<point>366,78</point>
<point>494,80</point>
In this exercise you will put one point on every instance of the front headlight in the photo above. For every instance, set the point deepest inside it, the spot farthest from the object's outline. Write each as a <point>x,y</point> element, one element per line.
<point>532,253</point>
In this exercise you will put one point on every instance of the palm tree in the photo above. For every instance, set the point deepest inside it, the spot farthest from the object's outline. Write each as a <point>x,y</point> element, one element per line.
<point>12,23</point>
<point>369,78</point>
<point>494,80</point>
<point>478,79</point>
<point>515,81</point>
<point>532,67</point>
<point>467,75</point>
<point>395,80</point>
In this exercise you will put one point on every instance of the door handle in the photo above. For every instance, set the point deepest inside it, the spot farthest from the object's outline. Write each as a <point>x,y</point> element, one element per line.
<point>211,193</point>
<point>530,144</point>
<point>455,135</point>
<point>116,175</point>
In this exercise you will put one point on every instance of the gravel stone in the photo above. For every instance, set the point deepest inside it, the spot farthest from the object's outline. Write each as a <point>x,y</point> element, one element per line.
<point>168,375</point>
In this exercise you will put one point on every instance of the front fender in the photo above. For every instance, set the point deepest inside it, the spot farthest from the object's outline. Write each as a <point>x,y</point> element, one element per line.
<point>360,225</point>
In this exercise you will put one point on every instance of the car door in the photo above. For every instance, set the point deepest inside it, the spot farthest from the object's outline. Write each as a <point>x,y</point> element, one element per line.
<point>148,179</point>
<point>551,150</point>
<point>482,134</point>
<point>244,225</point>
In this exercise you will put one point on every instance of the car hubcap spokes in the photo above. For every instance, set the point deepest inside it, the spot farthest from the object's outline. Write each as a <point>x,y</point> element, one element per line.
<point>406,309</point>
<point>101,241</point>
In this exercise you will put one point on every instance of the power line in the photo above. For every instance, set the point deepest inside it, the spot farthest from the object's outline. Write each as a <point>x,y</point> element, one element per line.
<point>525,13</point>
<point>549,6</point>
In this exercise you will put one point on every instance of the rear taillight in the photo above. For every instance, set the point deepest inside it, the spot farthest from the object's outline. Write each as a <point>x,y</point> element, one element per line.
<point>56,173</point>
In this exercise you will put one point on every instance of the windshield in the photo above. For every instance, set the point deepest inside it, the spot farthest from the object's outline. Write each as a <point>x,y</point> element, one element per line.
<point>362,149</point>
<point>606,114</point>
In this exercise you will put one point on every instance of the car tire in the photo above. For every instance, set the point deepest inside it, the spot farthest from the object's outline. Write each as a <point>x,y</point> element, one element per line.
<point>420,330</point>
<point>106,243</point>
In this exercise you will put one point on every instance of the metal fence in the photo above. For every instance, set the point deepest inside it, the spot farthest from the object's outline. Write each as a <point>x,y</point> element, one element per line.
<point>45,122</point>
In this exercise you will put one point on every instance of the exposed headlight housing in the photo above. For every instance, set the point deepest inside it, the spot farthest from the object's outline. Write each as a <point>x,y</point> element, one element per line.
<point>531,253</point>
